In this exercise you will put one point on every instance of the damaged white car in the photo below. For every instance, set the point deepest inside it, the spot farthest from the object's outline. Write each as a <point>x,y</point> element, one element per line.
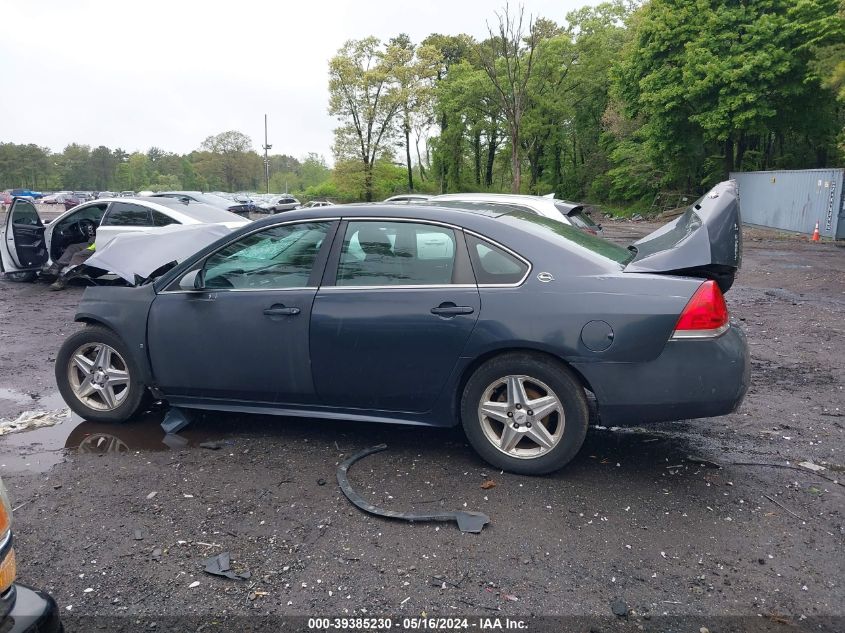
<point>28,246</point>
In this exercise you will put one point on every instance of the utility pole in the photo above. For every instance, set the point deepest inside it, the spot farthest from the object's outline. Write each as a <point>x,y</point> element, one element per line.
<point>266,147</point>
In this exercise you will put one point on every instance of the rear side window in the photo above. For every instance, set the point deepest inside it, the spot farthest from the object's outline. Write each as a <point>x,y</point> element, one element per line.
<point>383,253</point>
<point>493,265</point>
<point>125,214</point>
<point>159,219</point>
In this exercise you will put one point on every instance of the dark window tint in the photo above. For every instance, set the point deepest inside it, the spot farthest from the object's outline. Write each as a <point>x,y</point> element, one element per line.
<point>25,214</point>
<point>278,257</point>
<point>492,265</point>
<point>378,253</point>
<point>159,219</point>
<point>125,214</point>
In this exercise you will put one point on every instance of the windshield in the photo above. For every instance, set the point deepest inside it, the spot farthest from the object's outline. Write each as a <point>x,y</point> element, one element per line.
<point>595,244</point>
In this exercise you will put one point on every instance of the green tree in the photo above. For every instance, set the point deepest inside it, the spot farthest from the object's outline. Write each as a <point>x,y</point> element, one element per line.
<point>363,95</point>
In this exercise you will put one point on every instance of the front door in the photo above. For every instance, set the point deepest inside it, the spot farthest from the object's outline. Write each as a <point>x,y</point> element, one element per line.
<point>23,247</point>
<point>393,316</point>
<point>243,334</point>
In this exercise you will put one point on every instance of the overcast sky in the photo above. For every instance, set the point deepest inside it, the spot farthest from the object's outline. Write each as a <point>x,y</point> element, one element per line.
<point>169,73</point>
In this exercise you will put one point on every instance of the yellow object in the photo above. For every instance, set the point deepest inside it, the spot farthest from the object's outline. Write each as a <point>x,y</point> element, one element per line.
<point>92,247</point>
<point>7,571</point>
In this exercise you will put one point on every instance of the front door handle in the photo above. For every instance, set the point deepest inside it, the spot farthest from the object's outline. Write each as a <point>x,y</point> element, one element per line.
<point>280,311</point>
<point>450,309</point>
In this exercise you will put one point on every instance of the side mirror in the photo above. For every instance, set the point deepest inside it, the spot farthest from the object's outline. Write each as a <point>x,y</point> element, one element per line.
<point>192,281</point>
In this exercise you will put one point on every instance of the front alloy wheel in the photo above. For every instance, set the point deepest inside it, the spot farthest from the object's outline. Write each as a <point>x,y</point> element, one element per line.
<point>525,413</point>
<point>97,376</point>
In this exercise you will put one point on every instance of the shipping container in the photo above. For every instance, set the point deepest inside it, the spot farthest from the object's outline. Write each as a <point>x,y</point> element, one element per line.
<point>794,200</point>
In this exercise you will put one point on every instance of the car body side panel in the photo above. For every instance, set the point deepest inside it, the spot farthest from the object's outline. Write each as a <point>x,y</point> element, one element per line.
<point>124,310</point>
<point>673,386</point>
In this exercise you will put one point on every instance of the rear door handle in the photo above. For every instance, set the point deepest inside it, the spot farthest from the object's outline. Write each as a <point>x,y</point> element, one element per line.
<point>451,310</point>
<point>281,311</point>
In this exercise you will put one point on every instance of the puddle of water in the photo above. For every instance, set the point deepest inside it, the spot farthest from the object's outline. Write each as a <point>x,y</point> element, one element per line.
<point>40,449</point>
<point>47,402</point>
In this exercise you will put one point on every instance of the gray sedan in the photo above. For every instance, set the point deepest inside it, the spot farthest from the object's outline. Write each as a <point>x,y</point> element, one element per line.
<point>499,320</point>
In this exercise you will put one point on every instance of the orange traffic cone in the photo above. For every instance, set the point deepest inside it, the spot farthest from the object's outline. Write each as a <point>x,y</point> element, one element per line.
<point>816,232</point>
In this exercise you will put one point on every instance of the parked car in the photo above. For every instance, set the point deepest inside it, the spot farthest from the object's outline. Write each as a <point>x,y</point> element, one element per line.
<point>105,194</point>
<point>5,198</point>
<point>316,203</point>
<point>409,197</point>
<point>22,610</point>
<point>278,204</point>
<point>126,194</point>
<point>25,193</point>
<point>60,198</point>
<point>570,213</point>
<point>240,208</point>
<point>27,246</point>
<point>499,319</point>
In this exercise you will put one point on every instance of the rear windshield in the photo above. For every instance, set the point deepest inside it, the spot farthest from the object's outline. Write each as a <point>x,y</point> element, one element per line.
<point>595,244</point>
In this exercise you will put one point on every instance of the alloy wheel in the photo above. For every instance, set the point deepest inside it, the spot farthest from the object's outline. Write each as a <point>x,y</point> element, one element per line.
<point>521,416</point>
<point>98,376</point>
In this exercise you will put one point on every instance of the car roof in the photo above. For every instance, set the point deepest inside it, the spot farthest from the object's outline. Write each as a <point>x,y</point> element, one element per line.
<point>511,198</point>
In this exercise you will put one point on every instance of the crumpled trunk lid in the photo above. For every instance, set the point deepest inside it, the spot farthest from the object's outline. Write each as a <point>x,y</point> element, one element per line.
<point>704,241</point>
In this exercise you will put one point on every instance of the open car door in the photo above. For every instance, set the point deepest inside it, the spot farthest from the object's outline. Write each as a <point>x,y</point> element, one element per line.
<point>704,241</point>
<point>22,244</point>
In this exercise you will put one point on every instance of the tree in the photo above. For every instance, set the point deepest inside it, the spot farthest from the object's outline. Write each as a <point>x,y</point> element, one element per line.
<point>363,95</point>
<point>508,60</point>
<point>235,158</point>
<point>710,75</point>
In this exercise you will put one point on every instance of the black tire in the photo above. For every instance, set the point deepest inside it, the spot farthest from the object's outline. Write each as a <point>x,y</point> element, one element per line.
<point>23,277</point>
<point>130,401</point>
<point>564,385</point>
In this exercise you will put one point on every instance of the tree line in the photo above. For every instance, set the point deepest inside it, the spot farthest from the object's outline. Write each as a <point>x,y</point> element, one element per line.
<point>618,102</point>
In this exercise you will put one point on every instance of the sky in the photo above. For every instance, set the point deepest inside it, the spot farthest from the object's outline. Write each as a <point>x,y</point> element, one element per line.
<point>170,73</point>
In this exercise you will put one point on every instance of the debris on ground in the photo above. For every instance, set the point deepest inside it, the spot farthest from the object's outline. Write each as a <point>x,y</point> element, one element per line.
<point>811,466</point>
<point>467,521</point>
<point>212,446</point>
<point>487,484</point>
<point>619,607</point>
<point>29,420</point>
<point>175,420</point>
<point>220,566</point>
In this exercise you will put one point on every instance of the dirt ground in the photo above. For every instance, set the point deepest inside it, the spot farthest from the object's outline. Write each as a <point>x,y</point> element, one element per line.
<point>117,520</point>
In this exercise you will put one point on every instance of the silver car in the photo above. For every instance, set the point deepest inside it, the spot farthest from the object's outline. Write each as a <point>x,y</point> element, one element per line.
<point>570,213</point>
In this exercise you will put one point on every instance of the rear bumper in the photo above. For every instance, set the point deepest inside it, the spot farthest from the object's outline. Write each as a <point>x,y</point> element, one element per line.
<point>690,379</point>
<point>32,612</point>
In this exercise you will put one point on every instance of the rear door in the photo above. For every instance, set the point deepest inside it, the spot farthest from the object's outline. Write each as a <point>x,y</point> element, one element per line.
<point>393,315</point>
<point>123,217</point>
<point>23,246</point>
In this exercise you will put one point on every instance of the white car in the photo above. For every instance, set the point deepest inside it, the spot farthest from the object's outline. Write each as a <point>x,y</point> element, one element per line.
<point>408,197</point>
<point>570,213</point>
<point>27,245</point>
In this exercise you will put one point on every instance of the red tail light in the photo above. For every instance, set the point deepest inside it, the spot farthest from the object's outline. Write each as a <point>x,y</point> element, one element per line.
<point>705,315</point>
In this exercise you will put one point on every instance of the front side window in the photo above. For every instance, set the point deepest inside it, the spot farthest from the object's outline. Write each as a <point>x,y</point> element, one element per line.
<point>25,214</point>
<point>376,253</point>
<point>126,214</point>
<point>275,258</point>
<point>493,265</point>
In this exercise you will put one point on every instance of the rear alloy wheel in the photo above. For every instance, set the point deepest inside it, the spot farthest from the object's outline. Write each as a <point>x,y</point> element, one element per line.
<point>97,377</point>
<point>524,413</point>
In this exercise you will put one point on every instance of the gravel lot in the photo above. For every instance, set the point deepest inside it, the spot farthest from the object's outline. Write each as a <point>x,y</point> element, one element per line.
<point>113,521</point>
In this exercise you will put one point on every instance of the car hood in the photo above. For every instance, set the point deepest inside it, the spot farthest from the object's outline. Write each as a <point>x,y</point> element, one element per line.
<point>136,256</point>
<point>705,240</point>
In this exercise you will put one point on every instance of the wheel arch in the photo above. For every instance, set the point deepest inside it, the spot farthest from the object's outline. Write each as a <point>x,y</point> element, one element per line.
<point>470,369</point>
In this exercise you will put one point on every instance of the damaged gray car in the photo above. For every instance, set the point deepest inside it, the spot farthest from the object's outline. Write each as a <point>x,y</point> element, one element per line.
<point>497,319</point>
